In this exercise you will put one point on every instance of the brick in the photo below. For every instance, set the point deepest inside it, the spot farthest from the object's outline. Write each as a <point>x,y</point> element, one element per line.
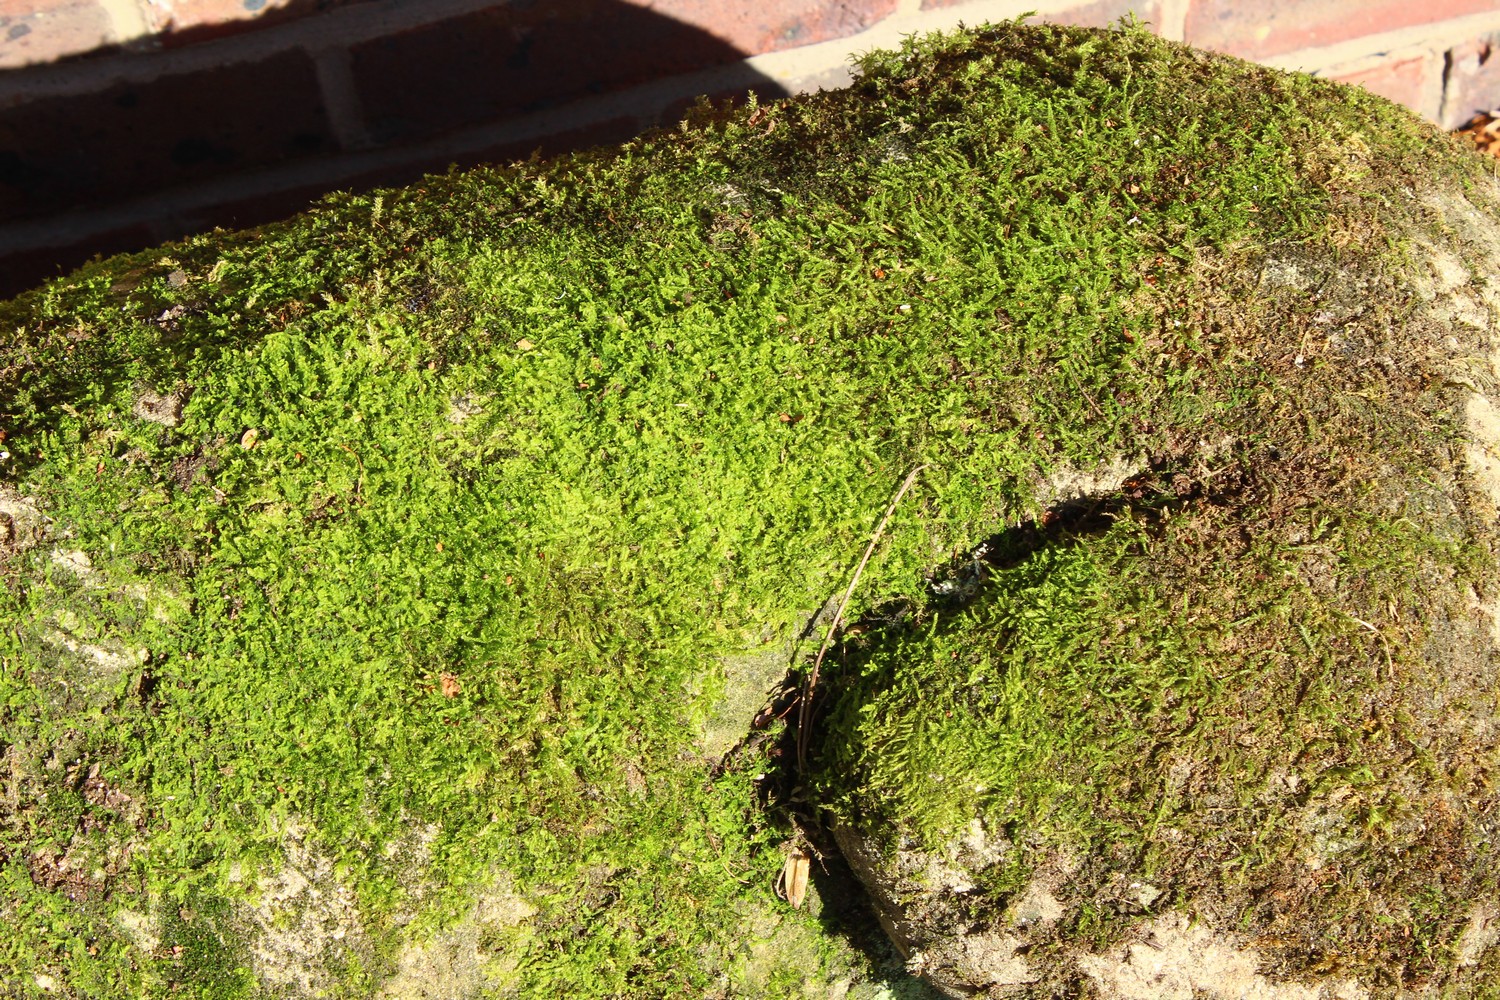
<point>518,58</point>
<point>37,31</point>
<point>1264,28</point>
<point>1095,14</point>
<point>25,269</point>
<point>277,205</point>
<point>1411,82</point>
<point>753,27</point>
<point>183,22</point>
<point>242,213</point>
<point>186,15</point>
<point>1471,81</point>
<point>70,152</point>
<point>1101,14</point>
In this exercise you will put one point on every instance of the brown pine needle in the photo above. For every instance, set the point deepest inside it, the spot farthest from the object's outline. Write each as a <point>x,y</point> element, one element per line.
<point>804,714</point>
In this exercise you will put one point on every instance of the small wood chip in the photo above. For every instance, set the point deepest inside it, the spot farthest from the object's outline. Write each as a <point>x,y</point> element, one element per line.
<point>794,878</point>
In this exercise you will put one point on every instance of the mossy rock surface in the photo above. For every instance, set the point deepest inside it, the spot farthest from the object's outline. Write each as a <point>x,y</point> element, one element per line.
<point>391,594</point>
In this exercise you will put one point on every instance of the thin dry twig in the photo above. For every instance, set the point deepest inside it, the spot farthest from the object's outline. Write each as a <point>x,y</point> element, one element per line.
<point>804,714</point>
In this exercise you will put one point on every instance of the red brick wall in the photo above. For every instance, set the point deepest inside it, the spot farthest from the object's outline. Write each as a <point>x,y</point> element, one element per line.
<point>1256,30</point>
<point>127,122</point>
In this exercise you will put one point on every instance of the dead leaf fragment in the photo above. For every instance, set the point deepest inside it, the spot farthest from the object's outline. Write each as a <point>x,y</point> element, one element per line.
<point>524,345</point>
<point>449,685</point>
<point>248,439</point>
<point>794,878</point>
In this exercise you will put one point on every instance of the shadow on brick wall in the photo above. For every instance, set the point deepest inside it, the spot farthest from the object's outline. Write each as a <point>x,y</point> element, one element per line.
<point>120,150</point>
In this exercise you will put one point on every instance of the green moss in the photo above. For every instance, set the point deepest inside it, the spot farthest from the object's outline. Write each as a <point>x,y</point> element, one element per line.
<point>474,483</point>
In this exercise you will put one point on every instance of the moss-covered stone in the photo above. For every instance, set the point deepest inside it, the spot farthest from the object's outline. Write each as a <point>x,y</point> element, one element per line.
<point>381,587</point>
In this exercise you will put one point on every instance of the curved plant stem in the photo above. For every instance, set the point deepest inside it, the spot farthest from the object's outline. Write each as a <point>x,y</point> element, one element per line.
<point>804,713</point>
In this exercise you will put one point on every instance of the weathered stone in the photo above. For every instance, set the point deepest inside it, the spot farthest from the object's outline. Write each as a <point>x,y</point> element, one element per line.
<point>437,643</point>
